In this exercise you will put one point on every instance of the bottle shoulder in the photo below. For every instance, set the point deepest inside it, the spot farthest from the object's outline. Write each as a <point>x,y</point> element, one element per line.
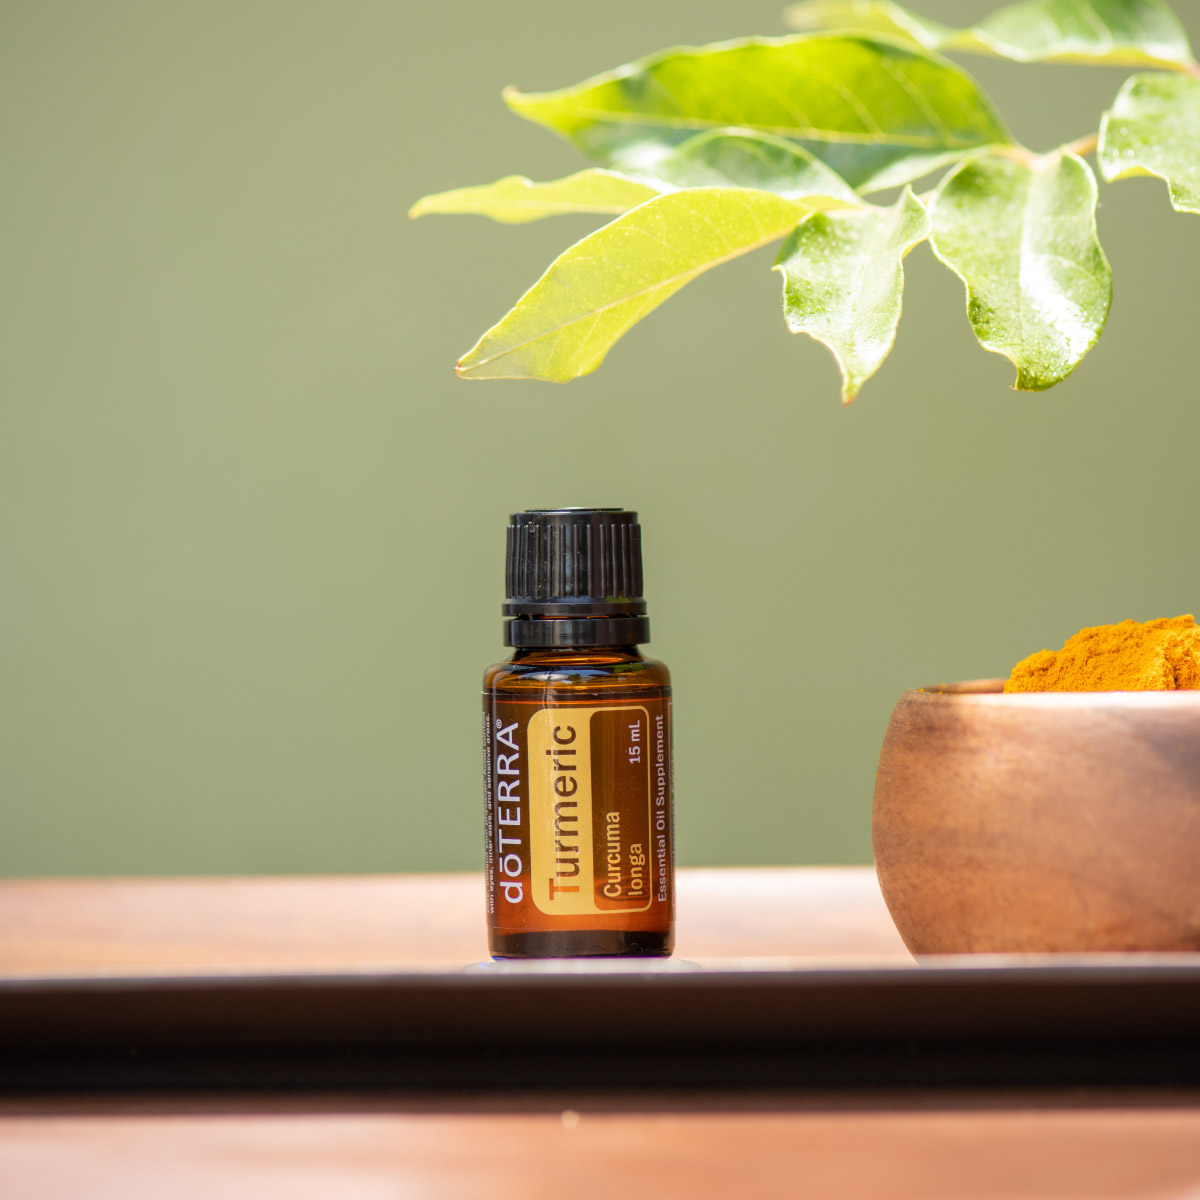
<point>607,673</point>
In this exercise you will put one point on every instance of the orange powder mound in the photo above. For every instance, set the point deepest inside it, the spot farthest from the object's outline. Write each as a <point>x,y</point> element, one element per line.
<point>1162,655</point>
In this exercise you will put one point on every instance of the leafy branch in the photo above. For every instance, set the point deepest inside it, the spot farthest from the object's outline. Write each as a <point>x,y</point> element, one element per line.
<point>707,153</point>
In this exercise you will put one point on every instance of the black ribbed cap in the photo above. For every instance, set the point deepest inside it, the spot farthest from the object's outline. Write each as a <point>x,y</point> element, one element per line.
<point>581,566</point>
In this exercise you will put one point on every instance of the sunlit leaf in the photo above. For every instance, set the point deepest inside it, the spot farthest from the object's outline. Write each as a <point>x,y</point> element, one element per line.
<point>732,158</point>
<point>1122,32</point>
<point>515,199</point>
<point>843,279</point>
<point>719,159</point>
<point>1153,128</point>
<point>1022,236</point>
<point>868,16</point>
<point>593,292</point>
<point>877,112</point>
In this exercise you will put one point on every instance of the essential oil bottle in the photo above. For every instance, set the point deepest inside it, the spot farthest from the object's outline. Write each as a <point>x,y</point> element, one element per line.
<point>577,748</point>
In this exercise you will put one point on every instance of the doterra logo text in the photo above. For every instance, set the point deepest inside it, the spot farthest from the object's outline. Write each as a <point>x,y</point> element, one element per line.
<point>508,814</point>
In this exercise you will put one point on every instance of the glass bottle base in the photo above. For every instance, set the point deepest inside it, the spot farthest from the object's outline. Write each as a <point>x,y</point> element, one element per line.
<point>582,943</point>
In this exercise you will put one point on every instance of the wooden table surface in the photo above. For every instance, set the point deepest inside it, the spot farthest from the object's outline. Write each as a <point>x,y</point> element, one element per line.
<point>1024,1147</point>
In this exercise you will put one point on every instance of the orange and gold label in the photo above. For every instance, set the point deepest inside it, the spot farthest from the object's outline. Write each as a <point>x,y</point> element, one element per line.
<point>590,809</point>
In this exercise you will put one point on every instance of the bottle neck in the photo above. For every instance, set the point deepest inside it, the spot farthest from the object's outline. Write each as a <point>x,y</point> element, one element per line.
<point>575,631</point>
<point>578,654</point>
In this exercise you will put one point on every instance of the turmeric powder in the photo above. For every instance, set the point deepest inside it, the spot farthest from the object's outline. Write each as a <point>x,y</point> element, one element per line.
<point>1162,655</point>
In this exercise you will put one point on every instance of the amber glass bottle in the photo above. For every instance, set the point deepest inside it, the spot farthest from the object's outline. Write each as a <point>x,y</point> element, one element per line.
<point>577,748</point>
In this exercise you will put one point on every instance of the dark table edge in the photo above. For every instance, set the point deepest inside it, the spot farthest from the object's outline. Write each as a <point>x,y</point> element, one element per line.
<point>901,1028</point>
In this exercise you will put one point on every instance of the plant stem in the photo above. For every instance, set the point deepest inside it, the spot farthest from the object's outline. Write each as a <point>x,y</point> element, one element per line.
<point>1084,145</point>
<point>1081,146</point>
<point>1016,152</point>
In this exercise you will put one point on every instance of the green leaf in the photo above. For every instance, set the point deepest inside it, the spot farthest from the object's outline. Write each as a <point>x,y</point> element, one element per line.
<point>515,199</point>
<point>1022,237</point>
<point>843,279</point>
<point>868,16</point>
<point>719,159</point>
<point>732,158</point>
<point>1120,32</point>
<point>1153,128</point>
<point>877,112</point>
<point>593,292</point>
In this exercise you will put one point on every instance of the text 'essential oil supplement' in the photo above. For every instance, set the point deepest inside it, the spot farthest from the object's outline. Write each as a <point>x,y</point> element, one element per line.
<point>1162,655</point>
<point>577,748</point>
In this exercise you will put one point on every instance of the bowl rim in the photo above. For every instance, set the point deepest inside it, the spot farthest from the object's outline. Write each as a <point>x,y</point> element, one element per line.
<point>991,692</point>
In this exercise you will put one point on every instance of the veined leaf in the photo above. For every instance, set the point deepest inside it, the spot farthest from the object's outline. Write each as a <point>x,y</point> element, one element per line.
<point>1022,237</point>
<point>1153,128</point>
<point>593,292</point>
<point>734,158</point>
<point>730,158</point>
<point>868,16</point>
<point>515,199</point>
<point>843,278</point>
<point>877,112</point>
<point>1120,32</point>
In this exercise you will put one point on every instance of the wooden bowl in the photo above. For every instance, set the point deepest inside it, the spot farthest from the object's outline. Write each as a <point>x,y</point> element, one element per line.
<point>1040,822</point>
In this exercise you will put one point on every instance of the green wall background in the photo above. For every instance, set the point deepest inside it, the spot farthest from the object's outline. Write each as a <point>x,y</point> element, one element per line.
<point>251,525</point>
